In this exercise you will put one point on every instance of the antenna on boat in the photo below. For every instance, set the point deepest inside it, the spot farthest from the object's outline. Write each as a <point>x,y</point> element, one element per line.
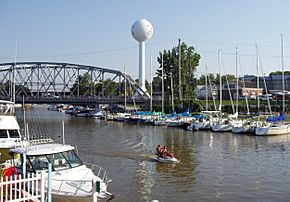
<point>63,140</point>
<point>13,88</point>
<point>27,131</point>
<point>24,116</point>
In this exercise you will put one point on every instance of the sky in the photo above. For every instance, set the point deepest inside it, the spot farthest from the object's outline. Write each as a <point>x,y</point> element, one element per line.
<point>98,32</point>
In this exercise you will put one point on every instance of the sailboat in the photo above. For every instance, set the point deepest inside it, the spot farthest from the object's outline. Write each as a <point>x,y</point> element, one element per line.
<point>221,124</point>
<point>205,120</point>
<point>240,126</point>
<point>275,125</point>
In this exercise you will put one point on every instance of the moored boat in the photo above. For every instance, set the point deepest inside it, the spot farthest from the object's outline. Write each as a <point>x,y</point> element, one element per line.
<point>10,135</point>
<point>70,177</point>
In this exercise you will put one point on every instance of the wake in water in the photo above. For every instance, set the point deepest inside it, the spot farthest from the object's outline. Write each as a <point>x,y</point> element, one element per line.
<point>128,155</point>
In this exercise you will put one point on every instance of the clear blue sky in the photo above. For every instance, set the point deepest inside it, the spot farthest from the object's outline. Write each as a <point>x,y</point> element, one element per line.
<point>97,32</point>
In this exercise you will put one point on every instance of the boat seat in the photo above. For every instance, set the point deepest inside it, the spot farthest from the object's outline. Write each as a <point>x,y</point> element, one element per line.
<point>59,162</point>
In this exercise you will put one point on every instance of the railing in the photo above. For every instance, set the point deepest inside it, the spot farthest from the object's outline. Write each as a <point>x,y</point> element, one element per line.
<point>99,172</point>
<point>80,184</point>
<point>40,141</point>
<point>19,188</point>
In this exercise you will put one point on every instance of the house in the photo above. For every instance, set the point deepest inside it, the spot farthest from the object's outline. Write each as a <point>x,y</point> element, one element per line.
<point>201,91</point>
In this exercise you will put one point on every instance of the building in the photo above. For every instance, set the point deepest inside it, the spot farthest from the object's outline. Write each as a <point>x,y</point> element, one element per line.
<point>201,92</point>
<point>229,89</point>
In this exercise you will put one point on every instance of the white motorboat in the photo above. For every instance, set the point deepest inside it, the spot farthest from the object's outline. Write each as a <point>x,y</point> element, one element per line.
<point>10,135</point>
<point>71,179</point>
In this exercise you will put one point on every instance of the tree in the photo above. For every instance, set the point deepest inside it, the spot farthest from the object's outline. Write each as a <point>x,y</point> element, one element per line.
<point>81,85</point>
<point>189,62</point>
<point>280,73</point>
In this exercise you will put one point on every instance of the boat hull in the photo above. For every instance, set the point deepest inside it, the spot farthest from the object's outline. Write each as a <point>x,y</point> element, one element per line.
<point>59,198</point>
<point>272,130</point>
<point>200,126</point>
<point>222,127</point>
<point>166,160</point>
<point>241,129</point>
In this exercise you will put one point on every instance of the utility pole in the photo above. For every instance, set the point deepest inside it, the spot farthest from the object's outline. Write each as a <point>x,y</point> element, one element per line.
<point>179,73</point>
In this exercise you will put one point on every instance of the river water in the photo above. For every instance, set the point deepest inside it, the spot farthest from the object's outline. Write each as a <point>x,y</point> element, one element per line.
<point>212,167</point>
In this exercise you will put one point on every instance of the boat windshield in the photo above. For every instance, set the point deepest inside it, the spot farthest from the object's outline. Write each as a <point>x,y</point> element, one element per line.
<point>59,161</point>
<point>14,133</point>
<point>3,134</point>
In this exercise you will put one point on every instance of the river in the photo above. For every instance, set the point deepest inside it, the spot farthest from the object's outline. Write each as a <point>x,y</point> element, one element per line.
<point>212,167</point>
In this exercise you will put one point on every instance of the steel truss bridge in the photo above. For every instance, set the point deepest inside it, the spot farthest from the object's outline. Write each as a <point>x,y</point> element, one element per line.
<point>51,82</point>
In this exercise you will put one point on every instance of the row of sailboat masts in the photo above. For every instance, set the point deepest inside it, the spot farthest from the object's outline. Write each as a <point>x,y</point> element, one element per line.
<point>258,63</point>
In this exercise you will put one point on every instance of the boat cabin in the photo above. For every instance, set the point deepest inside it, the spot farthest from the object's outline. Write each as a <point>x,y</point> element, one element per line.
<point>35,158</point>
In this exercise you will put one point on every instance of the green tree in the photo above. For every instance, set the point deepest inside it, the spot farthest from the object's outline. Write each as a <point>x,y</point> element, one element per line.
<point>81,85</point>
<point>280,73</point>
<point>189,62</point>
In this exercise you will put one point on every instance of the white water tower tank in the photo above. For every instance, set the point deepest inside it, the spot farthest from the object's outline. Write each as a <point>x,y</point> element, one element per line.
<point>141,31</point>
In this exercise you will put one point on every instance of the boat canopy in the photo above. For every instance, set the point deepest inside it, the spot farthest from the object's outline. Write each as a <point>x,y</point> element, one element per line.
<point>186,113</point>
<point>281,117</point>
<point>41,149</point>
<point>149,113</point>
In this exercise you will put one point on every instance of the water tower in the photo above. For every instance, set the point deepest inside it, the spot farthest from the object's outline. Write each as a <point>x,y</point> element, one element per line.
<point>141,31</point>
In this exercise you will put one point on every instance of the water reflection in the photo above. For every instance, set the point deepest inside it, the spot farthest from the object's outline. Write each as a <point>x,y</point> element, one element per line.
<point>165,167</point>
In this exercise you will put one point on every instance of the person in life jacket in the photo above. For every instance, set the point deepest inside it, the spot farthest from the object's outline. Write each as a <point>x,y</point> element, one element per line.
<point>164,152</point>
<point>158,150</point>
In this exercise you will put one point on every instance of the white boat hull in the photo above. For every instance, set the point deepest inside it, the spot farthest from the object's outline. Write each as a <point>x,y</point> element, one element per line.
<point>204,125</point>
<point>272,130</point>
<point>241,129</point>
<point>222,127</point>
<point>166,159</point>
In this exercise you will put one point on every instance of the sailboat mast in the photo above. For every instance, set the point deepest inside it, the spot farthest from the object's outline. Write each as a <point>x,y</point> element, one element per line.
<point>151,88</point>
<point>283,76</point>
<point>172,96</point>
<point>220,71</point>
<point>179,71</point>
<point>125,83</point>
<point>206,90</point>
<point>258,85</point>
<point>237,84</point>
<point>162,84</point>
